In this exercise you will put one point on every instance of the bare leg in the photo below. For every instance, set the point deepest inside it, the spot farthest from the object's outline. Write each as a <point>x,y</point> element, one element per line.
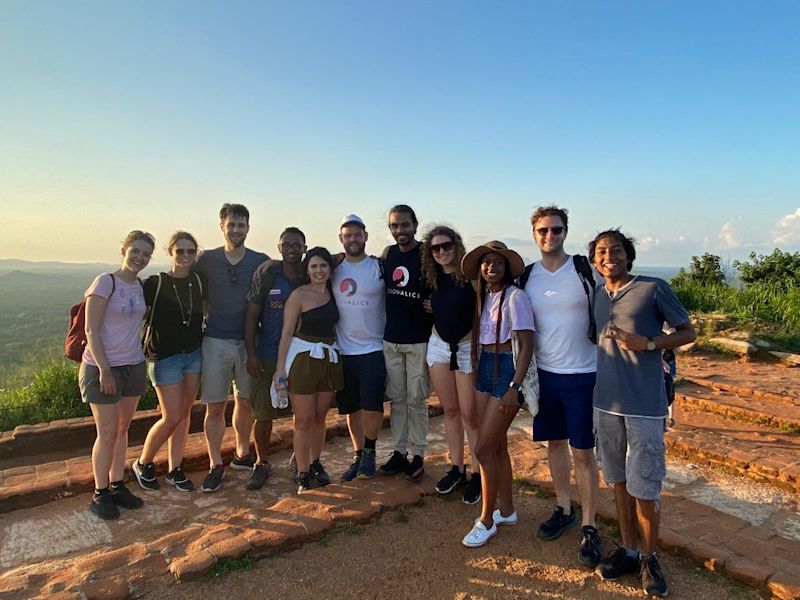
<point>491,442</point>
<point>558,460</point>
<point>126,408</point>
<point>626,512</point>
<point>445,383</point>
<point>214,427</point>
<point>355,425</point>
<point>106,422</point>
<point>470,408</point>
<point>242,424</point>
<point>303,406</point>
<point>373,421</point>
<point>170,398</point>
<point>588,481</point>
<point>177,441</point>
<point>505,477</point>
<point>262,431</point>
<point>649,516</point>
<point>322,405</point>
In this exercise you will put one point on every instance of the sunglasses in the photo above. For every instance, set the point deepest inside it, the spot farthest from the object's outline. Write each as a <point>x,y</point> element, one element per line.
<point>182,251</point>
<point>232,275</point>
<point>542,231</point>
<point>443,247</point>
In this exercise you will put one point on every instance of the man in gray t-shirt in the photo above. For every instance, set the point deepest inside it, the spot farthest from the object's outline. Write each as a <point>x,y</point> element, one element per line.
<point>228,271</point>
<point>630,403</point>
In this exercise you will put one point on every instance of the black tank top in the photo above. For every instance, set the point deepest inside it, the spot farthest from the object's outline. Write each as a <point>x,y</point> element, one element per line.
<point>320,321</point>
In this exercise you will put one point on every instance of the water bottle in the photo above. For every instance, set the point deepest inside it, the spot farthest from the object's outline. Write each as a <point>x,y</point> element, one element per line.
<point>283,393</point>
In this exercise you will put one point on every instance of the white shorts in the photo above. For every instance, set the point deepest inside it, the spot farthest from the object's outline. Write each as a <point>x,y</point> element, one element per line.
<point>224,361</point>
<point>439,352</point>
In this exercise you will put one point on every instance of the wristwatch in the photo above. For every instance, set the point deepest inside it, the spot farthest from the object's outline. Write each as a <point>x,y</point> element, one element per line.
<point>514,386</point>
<point>651,344</point>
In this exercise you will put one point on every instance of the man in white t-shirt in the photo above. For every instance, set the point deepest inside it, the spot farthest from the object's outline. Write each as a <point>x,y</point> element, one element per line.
<point>560,287</point>
<point>360,294</point>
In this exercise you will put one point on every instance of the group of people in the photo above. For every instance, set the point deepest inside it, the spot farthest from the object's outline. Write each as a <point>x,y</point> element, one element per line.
<point>576,339</point>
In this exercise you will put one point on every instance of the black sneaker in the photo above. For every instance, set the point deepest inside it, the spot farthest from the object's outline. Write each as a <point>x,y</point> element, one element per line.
<point>591,548</point>
<point>557,524</point>
<point>123,497</point>
<point>397,463</point>
<point>242,463</point>
<point>145,475</point>
<point>454,478</point>
<point>653,580</point>
<point>214,479</point>
<point>415,469</point>
<point>616,564</point>
<point>179,479</point>
<point>103,506</point>
<point>319,473</point>
<point>259,476</point>
<point>472,493</point>
<point>303,482</point>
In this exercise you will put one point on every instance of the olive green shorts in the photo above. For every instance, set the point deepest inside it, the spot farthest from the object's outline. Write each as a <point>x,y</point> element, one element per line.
<point>311,375</point>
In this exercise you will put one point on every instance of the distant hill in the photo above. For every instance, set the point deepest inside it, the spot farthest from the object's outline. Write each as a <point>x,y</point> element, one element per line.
<point>16,264</point>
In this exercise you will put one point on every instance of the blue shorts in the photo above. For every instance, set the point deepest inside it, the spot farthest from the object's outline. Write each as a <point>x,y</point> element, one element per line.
<point>170,370</point>
<point>565,409</point>
<point>364,383</point>
<point>505,373</point>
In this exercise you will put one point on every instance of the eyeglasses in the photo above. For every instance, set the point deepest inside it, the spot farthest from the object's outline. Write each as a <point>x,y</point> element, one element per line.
<point>443,247</point>
<point>232,275</point>
<point>182,251</point>
<point>542,231</point>
<point>291,245</point>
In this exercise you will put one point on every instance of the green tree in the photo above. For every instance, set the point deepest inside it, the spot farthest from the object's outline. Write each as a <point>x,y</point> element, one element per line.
<point>779,268</point>
<point>704,270</point>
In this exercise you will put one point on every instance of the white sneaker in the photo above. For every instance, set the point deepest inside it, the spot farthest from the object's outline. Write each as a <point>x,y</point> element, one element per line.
<point>479,535</point>
<point>499,519</point>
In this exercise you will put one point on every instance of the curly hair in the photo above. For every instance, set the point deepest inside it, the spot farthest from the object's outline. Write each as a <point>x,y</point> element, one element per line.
<point>431,270</point>
<point>628,244</point>
<point>550,211</point>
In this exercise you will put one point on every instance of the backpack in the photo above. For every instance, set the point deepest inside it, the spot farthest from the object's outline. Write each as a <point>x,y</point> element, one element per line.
<point>586,276</point>
<point>75,342</point>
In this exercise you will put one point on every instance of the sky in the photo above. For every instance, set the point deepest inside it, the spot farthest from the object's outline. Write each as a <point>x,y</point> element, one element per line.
<point>676,121</point>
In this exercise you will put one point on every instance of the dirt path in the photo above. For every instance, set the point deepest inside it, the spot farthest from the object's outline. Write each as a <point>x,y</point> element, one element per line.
<point>417,553</point>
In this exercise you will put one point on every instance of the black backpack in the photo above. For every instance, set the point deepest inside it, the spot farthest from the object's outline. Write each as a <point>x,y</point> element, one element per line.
<point>586,276</point>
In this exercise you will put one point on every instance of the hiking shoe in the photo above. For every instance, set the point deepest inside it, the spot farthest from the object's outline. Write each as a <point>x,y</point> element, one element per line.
<point>145,475</point>
<point>366,469</point>
<point>479,535</point>
<point>179,479</point>
<point>242,463</point>
<point>123,497</point>
<point>352,470</point>
<point>557,524</point>
<point>258,477</point>
<point>303,482</point>
<point>319,473</point>
<point>397,463</point>
<point>103,506</point>
<point>454,478</point>
<point>653,580</point>
<point>415,469</point>
<point>293,466</point>
<point>616,564</point>
<point>590,552</point>
<point>214,479</point>
<point>472,493</point>
<point>499,519</point>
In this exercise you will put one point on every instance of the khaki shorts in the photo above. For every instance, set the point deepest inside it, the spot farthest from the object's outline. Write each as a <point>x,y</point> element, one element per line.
<point>260,398</point>
<point>311,375</point>
<point>224,361</point>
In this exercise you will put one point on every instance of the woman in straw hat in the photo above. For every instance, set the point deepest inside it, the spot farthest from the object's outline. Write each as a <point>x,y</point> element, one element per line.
<point>503,312</point>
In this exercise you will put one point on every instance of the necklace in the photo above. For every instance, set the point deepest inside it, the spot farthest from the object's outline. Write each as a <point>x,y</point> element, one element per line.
<point>186,317</point>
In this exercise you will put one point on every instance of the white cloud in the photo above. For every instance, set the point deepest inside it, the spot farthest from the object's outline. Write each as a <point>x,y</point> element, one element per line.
<point>728,236</point>
<point>787,230</point>
<point>648,242</point>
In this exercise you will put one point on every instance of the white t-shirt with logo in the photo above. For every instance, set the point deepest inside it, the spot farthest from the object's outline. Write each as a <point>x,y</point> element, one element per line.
<point>361,298</point>
<point>561,313</point>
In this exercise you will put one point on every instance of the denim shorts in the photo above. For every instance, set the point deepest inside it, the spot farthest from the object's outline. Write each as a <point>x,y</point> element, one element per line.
<point>170,370</point>
<point>505,373</point>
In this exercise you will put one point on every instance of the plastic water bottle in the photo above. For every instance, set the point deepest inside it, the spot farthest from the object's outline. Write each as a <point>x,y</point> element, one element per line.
<point>283,393</point>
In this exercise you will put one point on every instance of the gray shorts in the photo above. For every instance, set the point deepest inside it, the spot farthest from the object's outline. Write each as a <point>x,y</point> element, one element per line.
<point>224,361</point>
<point>632,450</point>
<point>131,381</point>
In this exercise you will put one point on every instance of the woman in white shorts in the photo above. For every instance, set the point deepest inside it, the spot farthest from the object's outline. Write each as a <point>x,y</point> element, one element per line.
<point>453,305</point>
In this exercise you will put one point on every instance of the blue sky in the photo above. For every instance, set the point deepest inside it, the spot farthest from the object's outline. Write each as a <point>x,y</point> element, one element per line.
<point>676,121</point>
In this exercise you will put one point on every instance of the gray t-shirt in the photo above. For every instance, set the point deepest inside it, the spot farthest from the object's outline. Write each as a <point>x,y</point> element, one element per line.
<point>227,289</point>
<point>632,383</point>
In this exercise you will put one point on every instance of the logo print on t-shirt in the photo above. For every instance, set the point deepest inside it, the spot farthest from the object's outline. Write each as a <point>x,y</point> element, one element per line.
<point>348,287</point>
<point>400,276</point>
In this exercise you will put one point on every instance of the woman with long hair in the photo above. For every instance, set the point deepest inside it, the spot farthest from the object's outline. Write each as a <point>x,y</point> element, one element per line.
<point>172,339</point>
<point>308,363</point>
<point>503,315</point>
<point>112,374</point>
<point>449,350</point>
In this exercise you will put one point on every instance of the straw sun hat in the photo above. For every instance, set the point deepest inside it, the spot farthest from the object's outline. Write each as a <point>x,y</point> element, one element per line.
<point>471,262</point>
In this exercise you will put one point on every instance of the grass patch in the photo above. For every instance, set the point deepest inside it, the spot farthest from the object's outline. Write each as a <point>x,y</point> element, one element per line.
<point>355,530</point>
<point>229,565</point>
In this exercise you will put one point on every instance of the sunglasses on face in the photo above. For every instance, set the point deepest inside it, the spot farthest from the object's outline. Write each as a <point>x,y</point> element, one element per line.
<point>182,251</point>
<point>232,275</point>
<point>542,231</point>
<point>443,247</point>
